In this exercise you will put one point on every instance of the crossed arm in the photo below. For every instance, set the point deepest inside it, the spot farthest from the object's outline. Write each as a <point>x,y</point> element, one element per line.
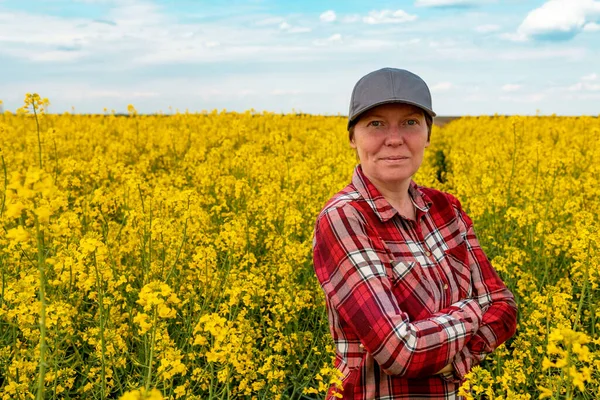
<point>350,262</point>
<point>499,320</point>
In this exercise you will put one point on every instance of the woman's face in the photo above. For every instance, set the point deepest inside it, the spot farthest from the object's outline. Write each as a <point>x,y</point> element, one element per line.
<point>390,140</point>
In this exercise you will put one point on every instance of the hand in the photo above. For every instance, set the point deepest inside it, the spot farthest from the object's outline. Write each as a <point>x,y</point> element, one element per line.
<point>447,368</point>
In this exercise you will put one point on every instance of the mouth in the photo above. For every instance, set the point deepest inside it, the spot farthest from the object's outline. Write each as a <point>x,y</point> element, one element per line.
<point>394,158</point>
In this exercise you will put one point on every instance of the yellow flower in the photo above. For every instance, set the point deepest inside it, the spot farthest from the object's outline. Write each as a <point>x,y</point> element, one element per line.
<point>144,322</point>
<point>197,230</point>
<point>43,213</point>
<point>142,394</point>
<point>546,363</point>
<point>544,392</point>
<point>15,209</point>
<point>18,234</point>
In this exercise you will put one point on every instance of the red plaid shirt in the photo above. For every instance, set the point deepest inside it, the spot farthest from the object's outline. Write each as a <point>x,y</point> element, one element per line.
<point>405,298</point>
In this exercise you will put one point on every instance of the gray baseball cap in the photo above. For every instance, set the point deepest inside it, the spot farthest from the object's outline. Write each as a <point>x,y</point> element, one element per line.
<point>389,85</point>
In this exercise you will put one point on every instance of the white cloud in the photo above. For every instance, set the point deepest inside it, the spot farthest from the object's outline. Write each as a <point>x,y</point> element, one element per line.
<point>270,21</point>
<point>591,27</point>
<point>52,56</point>
<point>575,87</point>
<point>245,92</point>
<point>461,51</point>
<point>589,87</point>
<point>137,33</point>
<point>277,91</point>
<point>350,18</point>
<point>101,93</point>
<point>409,42</point>
<point>388,17</point>
<point>328,16</point>
<point>129,28</point>
<point>299,29</point>
<point>589,96</point>
<point>284,26</point>
<point>510,87</point>
<point>94,1</point>
<point>529,98</point>
<point>157,36</point>
<point>374,45</point>
<point>444,43</point>
<point>447,3</point>
<point>281,92</point>
<point>335,38</point>
<point>575,54</point>
<point>560,19</point>
<point>487,28</point>
<point>442,87</point>
<point>514,37</point>
<point>476,98</point>
<point>584,87</point>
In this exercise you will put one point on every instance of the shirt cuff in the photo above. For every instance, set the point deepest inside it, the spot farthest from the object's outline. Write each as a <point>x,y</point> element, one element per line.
<point>461,364</point>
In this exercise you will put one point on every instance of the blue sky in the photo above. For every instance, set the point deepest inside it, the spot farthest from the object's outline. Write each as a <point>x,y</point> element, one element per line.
<point>478,57</point>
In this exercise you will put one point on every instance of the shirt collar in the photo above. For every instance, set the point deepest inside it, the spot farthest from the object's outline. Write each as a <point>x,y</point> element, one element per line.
<point>381,207</point>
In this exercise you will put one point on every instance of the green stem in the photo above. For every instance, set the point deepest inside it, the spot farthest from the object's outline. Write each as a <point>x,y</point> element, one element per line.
<point>42,363</point>
<point>178,251</point>
<point>3,283</point>
<point>55,161</point>
<point>512,172</point>
<point>37,123</point>
<point>102,342</point>
<point>5,186</point>
<point>149,375</point>
<point>212,379</point>
<point>583,294</point>
<point>569,379</point>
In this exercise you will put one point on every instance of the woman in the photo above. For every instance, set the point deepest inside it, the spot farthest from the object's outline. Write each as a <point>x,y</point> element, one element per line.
<point>412,300</point>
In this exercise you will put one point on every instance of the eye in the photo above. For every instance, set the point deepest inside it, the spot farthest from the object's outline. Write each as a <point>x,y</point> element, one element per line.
<point>375,124</point>
<point>412,122</point>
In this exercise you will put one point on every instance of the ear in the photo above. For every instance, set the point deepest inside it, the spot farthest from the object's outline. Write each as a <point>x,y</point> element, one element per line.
<point>427,143</point>
<point>353,143</point>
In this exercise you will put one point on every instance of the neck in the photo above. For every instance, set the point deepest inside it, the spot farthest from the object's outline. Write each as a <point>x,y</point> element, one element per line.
<point>397,195</point>
<point>394,193</point>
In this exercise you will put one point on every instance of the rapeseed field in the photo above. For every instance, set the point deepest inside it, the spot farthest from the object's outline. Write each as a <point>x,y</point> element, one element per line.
<point>169,256</point>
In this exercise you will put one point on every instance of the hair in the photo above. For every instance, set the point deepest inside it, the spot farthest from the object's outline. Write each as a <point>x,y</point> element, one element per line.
<point>428,121</point>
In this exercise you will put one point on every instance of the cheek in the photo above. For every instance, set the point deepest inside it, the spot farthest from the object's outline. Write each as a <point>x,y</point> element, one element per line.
<point>370,145</point>
<point>420,143</point>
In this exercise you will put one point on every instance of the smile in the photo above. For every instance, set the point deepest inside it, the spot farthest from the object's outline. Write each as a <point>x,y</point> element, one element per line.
<point>394,158</point>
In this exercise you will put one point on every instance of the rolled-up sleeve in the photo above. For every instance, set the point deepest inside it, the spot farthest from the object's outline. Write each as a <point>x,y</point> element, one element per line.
<point>351,261</point>
<point>499,319</point>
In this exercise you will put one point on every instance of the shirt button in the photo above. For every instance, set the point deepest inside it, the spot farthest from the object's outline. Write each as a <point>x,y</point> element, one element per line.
<point>428,253</point>
<point>361,346</point>
<point>445,286</point>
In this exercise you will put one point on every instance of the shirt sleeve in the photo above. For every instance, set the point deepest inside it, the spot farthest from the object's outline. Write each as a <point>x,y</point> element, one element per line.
<point>350,262</point>
<point>499,320</point>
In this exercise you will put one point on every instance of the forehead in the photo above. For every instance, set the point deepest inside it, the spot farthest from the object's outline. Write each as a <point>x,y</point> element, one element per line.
<point>393,109</point>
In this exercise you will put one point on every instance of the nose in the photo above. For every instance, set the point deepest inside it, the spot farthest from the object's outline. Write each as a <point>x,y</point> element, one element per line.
<point>395,136</point>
